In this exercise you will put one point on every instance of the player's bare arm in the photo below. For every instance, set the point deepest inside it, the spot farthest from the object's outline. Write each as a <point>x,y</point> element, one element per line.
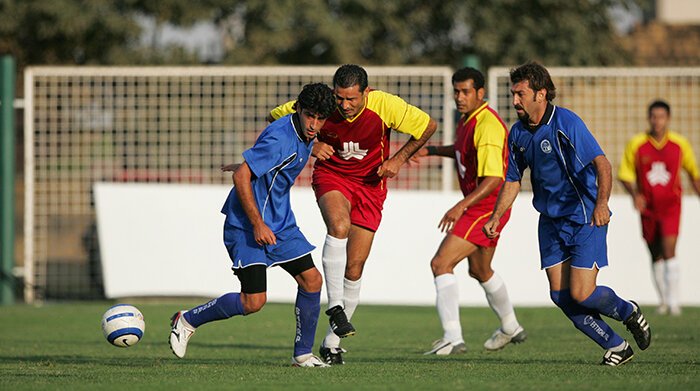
<point>231,167</point>
<point>506,197</point>
<point>241,180</point>
<point>436,150</point>
<point>601,212</point>
<point>391,167</point>
<point>486,186</point>
<point>640,202</point>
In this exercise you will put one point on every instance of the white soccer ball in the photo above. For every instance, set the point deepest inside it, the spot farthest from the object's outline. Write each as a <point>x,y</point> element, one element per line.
<point>123,325</point>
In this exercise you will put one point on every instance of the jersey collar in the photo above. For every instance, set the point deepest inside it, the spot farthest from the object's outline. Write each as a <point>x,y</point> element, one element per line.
<point>546,119</point>
<point>658,144</point>
<point>476,112</point>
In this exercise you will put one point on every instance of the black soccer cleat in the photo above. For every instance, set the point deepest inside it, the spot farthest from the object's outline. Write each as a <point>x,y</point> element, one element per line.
<point>332,356</point>
<point>614,359</point>
<point>339,322</point>
<point>639,327</point>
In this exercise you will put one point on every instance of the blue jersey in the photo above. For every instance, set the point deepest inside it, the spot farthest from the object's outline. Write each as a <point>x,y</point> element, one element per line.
<point>559,153</point>
<point>276,159</point>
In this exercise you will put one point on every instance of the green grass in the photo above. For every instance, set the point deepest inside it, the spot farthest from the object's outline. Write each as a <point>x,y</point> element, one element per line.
<point>60,346</point>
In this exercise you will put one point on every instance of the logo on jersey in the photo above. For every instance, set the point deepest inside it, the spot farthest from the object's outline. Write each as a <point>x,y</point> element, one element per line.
<point>352,149</point>
<point>658,175</point>
<point>546,146</point>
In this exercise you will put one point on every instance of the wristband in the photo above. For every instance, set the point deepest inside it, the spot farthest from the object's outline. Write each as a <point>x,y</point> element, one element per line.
<point>432,150</point>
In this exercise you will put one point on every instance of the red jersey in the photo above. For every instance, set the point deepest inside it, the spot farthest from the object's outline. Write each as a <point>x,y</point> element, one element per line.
<point>481,149</point>
<point>361,143</point>
<point>655,167</point>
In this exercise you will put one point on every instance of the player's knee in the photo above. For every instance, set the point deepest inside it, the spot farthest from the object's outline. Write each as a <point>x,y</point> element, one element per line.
<point>253,303</point>
<point>339,228</point>
<point>312,282</point>
<point>559,298</point>
<point>353,273</point>
<point>439,267</point>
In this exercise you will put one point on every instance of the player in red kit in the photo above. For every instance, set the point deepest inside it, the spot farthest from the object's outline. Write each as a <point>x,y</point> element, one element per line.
<point>349,181</point>
<point>481,159</point>
<point>650,172</point>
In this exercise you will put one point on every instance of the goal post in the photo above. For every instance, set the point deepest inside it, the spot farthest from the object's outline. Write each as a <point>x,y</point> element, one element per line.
<point>166,124</point>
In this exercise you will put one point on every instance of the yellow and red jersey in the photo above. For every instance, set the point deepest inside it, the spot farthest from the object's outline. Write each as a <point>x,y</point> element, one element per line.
<point>481,150</point>
<point>361,143</point>
<point>655,167</point>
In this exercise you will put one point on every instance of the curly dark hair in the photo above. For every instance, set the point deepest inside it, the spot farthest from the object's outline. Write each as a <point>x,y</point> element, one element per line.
<point>537,75</point>
<point>317,98</point>
<point>468,73</point>
<point>349,75</point>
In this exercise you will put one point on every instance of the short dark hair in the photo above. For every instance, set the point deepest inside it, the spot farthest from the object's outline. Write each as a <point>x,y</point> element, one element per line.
<point>318,98</point>
<point>468,73</point>
<point>538,77</point>
<point>349,75</point>
<point>659,104</point>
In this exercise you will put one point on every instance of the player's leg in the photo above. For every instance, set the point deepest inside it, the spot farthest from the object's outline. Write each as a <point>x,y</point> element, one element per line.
<point>306,308</point>
<point>452,250</point>
<point>335,209</point>
<point>251,299</point>
<point>669,226</point>
<point>589,253</point>
<point>497,296</point>
<point>652,236</point>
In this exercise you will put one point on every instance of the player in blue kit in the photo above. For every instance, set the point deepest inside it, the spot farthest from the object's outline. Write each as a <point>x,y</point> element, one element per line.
<point>260,230</point>
<point>571,181</point>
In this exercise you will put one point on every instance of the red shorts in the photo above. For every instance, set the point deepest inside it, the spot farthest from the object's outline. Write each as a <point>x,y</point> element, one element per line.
<point>366,201</point>
<point>469,226</point>
<point>658,224</point>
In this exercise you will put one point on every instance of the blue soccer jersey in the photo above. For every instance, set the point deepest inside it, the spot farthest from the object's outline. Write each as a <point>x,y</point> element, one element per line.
<point>559,153</point>
<point>276,159</point>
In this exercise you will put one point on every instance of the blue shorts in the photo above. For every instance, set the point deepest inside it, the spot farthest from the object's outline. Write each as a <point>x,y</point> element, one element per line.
<point>562,240</point>
<point>244,251</point>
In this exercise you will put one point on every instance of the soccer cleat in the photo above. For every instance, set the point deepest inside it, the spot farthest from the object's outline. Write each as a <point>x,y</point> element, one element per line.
<point>662,310</point>
<point>675,310</point>
<point>180,333</point>
<point>614,359</point>
<point>308,361</point>
<point>339,322</point>
<point>332,356</point>
<point>499,339</point>
<point>444,348</point>
<point>639,327</point>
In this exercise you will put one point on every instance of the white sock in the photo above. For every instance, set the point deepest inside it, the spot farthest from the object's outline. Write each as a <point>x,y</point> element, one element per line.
<point>497,296</point>
<point>673,275</point>
<point>352,296</point>
<point>659,271</point>
<point>447,302</point>
<point>334,260</point>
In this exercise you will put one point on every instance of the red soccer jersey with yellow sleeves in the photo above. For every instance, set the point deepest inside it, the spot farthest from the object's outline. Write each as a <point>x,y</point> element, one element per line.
<point>481,149</point>
<point>361,143</point>
<point>655,167</point>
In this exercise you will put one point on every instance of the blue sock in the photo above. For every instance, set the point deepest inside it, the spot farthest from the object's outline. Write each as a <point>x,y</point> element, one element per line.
<point>604,300</point>
<point>306,310</point>
<point>223,307</point>
<point>586,320</point>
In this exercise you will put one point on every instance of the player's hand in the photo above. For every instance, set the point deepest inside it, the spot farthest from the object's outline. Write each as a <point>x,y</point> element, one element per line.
<point>321,150</point>
<point>389,169</point>
<point>264,235</point>
<point>489,229</point>
<point>230,167</point>
<point>450,218</point>
<point>640,203</point>
<point>601,215</point>
<point>415,159</point>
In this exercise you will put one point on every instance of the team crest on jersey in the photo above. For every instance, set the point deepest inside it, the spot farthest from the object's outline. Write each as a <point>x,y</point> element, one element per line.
<point>658,174</point>
<point>546,146</point>
<point>351,150</point>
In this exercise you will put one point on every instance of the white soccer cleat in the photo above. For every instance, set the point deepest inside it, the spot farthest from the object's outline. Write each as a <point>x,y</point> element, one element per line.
<point>180,333</point>
<point>444,348</point>
<point>308,361</point>
<point>499,339</point>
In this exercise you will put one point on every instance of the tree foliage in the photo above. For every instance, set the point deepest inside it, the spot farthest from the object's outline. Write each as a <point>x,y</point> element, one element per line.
<point>556,32</point>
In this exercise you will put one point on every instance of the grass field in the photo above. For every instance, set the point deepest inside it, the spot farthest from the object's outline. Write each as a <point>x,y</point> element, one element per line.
<point>60,346</point>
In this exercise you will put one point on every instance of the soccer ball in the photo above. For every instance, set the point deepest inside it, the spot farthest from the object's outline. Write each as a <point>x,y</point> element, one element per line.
<point>123,325</point>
